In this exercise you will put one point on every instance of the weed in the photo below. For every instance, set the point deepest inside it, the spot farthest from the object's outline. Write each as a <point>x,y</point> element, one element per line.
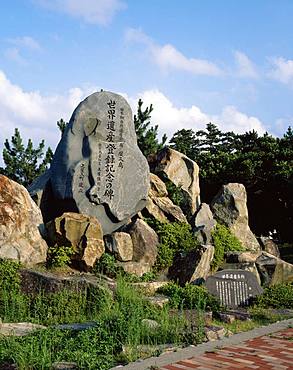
<point>59,256</point>
<point>223,241</point>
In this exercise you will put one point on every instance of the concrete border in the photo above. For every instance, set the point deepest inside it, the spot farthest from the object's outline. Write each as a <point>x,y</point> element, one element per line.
<point>191,351</point>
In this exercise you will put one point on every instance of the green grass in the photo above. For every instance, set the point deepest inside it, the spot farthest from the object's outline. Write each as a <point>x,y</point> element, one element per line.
<point>118,319</point>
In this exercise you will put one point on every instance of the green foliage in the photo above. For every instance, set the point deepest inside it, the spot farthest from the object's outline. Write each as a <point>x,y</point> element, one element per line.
<point>190,296</point>
<point>59,256</point>
<point>223,241</point>
<point>147,136</point>
<point>61,124</point>
<point>9,276</point>
<point>107,265</point>
<point>264,164</point>
<point>174,238</point>
<point>176,195</point>
<point>276,296</point>
<point>91,349</point>
<point>118,324</point>
<point>265,316</point>
<point>24,164</point>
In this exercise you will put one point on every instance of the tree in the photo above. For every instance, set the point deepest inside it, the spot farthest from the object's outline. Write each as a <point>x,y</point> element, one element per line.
<point>147,136</point>
<point>61,124</point>
<point>24,164</point>
<point>186,142</point>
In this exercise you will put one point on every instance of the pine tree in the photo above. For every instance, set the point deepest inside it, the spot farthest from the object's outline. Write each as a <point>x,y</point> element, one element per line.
<point>147,137</point>
<point>61,124</point>
<point>24,164</point>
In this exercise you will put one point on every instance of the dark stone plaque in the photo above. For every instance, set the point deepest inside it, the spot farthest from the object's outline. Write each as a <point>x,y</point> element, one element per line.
<point>234,288</point>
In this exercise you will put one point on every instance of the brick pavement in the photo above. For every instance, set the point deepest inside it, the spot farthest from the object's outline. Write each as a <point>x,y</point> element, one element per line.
<point>268,352</point>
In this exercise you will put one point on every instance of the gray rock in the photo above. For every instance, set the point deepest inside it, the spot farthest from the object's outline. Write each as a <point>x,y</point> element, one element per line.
<point>229,208</point>
<point>149,287</point>
<point>215,332</point>
<point>150,324</point>
<point>157,187</point>
<point>64,365</point>
<point>241,257</point>
<point>97,167</point>
<point>172,212</point>
<point>152,210</point>
<point>204,224</point>
<point>136,268</point>
<point>158,300</point>
<point>192,266</point>
<point>269,246</point>
<point>182,172</point>
<point>120,244</point>
<point>273,270</point>
<point>145,242</point>
<point>32,282</point>
<point>21,225</point>
<point>19,329</point>
<point>159,206</point>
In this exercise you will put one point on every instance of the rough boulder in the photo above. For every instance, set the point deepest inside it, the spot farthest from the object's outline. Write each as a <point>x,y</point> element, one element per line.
<point>20,225</point>
<point>229,208</point>
<point>83,233</point>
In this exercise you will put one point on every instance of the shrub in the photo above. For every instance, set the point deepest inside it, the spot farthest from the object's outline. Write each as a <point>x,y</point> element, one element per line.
<point>223,241</point>
<point>174,238</point>
<point>175,194</point>
<point>59,256</point>
<point>9,276</point>
<point>190,296</point>
<point>276,296</point>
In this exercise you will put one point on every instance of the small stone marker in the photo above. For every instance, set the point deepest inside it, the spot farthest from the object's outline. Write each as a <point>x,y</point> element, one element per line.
<point>97,168</point>
<point>234,288</point>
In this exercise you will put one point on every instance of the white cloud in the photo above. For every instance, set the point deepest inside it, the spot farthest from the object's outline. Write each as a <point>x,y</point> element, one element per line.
<point>282,70</point>
<point>169,58</point>
<point>34,114</point>
<point>25,42</point>
<point>91,11</point>
<point>170,118</point>
<point>245,67</point>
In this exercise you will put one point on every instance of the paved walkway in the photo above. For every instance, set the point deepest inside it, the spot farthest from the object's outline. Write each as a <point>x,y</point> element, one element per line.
<point>266,348</point>
<point>273,351</point>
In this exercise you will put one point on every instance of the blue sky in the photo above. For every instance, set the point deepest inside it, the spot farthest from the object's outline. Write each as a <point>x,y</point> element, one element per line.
<point>229,62</point>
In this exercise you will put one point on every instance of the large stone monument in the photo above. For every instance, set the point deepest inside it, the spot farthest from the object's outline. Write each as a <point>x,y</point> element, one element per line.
<point>97,169</point>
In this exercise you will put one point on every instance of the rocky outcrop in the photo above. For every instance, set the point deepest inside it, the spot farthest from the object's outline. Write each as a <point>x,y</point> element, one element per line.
<point>20,225</point>
<point>120,244</point>
<point>273,270</point>
<point>229,208</point>
<point>182,172</point>
<point>269,246</point>
<point>159,206</point>
<point>145,242</point>
<point>157,187</point>
<point>19,329</point>
<point>204,224</point>
<point>34,281</point>
<point>83,233</point>
<point>135,268</point>
<point>193,266</point>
